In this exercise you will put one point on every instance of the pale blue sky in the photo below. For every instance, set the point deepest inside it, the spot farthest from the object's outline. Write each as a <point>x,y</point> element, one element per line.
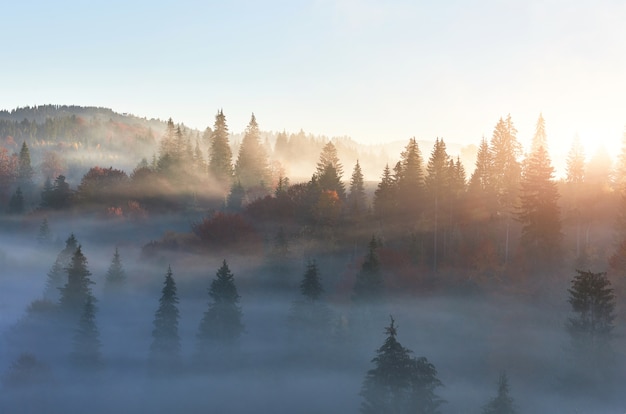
<point>377,71</point>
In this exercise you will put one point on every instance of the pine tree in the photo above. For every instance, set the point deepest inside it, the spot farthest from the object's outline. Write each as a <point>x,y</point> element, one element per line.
<point>409,177</point>
<point>57,275</point>
<point>575,167</point>
<point>25,170</point>
<point>221,324</point>
<point>77,290</point>
<point>220,154</point>
<point>252,168</point>
<point>356,198</point>
<point>86,354</point>
<point>329,171</point>
<point>591,327</point>
<point>539,211</point>
<point>309,317</point>
<point>234,201</point>
<point>385,196</point>
<point>44,237</point>
<point>399,383</point>
<point>437,184</point>
<point>115,278</point>
<point>502,403</point>
<point>165,347</point>
<point>16,203</point>
<point>506,172</point>
<point>369,281</point>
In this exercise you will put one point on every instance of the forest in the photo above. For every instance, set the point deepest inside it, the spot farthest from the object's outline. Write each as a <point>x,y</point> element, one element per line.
<point>150,267</point>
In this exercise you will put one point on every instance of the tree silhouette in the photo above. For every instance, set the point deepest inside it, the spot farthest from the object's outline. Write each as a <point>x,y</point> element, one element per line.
<point>592,300</point>
<point>57,275</point>
<point>115,278</point>
<point>399,383</point>
<point>501,403</point>
<point>369,281</point>
<point>356,198</point>
<point>221,323</point>
<point>220,154</point>
<point>252,168</point>
<point>77,290</point>
<point>165,347</point>
<point>86,354</point>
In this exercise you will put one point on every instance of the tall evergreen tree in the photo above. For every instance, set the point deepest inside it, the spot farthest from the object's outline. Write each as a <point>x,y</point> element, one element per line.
<point>25,170</point>
<point>165,346</point>
<point>539,211</point>
<point>16,203</point>
<point>115,278</point>
<point>369,281</point>
<point>501,403</point>
<point>575,180</point>
<point>57,275</point>
<point>400,383</point>
<point>592,300</point>
<point>506,172</point>
<point>356,198</point>
<point>385,196</point>
<point>409,177</point>
<point>252,167</point>
<point>329,171</point>
<point>44,237</point>
<point>220,154</point>
<point>86,353</point>
<point>77,290</point>
<point>222,322</point>
<point>437,184</point>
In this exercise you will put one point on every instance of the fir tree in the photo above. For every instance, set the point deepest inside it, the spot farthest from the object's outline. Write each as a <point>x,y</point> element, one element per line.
<point>399,383</point>
<point>115,278</point>
<point>369,281</point>
<point>437,184</point>
<point>329,171</point>
<point>539,211</point>
<point>409,177</point>
<point>25,170</point>
<point>77,290</point>
<point>591,327</point>
<point>252,167</point>
<point>234,202</point>
<point>221,323</point>
<point>44,237</point>
<point>86,353</point>
<point>385,196</point>
<point>57,275</point>
<point>16,203</point>
<point>502,403</point>
<point>220,154</point>
<point>356,198</point>
<point>165,347</point>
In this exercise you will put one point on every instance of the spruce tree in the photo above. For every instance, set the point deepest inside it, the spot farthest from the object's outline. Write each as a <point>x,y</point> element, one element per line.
<point>57,275</point>
<point>399,383</point>
<point>437,184</point>
<point>222,322</point>
<point>252,167</point>
<point>501,403</point>
<point>592,300</point>
<point>165,347</point>
<point>369,287</point>
<point>115,278</point>
<point>356,198</point>
<point>220,154</point>
<point>329,171</point>
<point>409,177</point>
<point>539,210</point>
<point>86,353</point>
<point>77,290</point>
<point>385,196</point>
<point>16,203</point>
<point>309,316</point>
<point>25,170</point>
<point>44,237</point>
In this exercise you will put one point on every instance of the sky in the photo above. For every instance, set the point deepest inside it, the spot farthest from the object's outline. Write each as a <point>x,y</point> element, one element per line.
<point>375,71</point>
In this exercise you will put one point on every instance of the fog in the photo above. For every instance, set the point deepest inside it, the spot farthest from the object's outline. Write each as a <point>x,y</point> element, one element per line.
<point>470,337</point>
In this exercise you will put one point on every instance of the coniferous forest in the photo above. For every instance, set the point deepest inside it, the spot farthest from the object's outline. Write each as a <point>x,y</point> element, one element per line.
<point>146,266</point>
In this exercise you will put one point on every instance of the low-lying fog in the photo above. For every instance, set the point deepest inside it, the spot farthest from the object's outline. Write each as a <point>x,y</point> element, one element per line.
<point>470,338</point>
